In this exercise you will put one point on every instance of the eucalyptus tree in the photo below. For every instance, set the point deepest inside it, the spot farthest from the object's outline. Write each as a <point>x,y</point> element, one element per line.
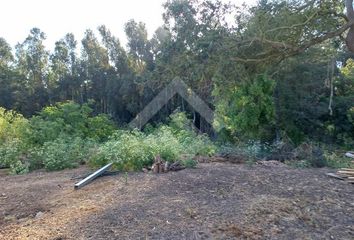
<point>64,78</point>
<point>94,71</point>
<point>139,46</point>
<point>6,74</point>
<point>120,87</point>
<point>32,64</point>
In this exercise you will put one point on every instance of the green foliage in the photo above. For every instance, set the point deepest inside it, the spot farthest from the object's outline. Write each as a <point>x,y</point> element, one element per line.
<point>71,119</point>
<point>329,158</point>
<point>192,143</point>
<point>338,160</point>
<point>64,136</point>
<point>18,167</point>
<point>292,41</point>
<point>250,109</point>
<point>56,139</point>
<point>57,155</point>
<point>165,143</point>
<point>351,115</point>
<point>133,150</point>
<point>63,153</point>
<point>127,150</point>
<point>10,152</point>
<point>99,127</point>
<point>12,126</point>
<point>189,163</point>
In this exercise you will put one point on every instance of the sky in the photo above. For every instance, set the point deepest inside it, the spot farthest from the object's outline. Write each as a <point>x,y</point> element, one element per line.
<point>58,17</point>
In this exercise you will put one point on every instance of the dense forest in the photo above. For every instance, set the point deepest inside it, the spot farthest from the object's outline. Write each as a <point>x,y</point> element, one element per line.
<point>278,70</point>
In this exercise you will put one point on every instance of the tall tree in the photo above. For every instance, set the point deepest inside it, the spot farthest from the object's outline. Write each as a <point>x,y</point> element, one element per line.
<point>32,63</point>
<point>64,69</point>
<point>139,46</point>
<point>94,69</point>
<point>6,75</point>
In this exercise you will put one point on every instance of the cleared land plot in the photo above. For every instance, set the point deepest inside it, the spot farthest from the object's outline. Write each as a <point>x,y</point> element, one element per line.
<point>214,201</point>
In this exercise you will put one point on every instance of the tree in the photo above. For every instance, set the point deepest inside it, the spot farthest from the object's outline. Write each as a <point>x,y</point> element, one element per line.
<point>6,74</point>
<point>94,69</point>
<point>139,46</point>
<point>350,18</point>
<point>65,81</point>
<point>32,64</point>
<point>279,29</point>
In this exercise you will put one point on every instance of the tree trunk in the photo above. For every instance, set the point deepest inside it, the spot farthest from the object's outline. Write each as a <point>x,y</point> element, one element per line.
<point>277,112</point>
<point>350,36</point>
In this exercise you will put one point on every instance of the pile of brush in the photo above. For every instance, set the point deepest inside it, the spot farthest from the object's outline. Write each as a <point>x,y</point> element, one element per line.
<point>161,166</point>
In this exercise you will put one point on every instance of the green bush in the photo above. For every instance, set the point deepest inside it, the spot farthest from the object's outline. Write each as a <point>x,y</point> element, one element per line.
<point>65,135</point>
<point>165,143</point>
<point>191,142</point>
<point>12,126</point>
<point>189,163</point>
<point>127,150</point>
<point>71,119</point>
<point>62,153</point>
<point>133,150</point>
<point>338,160</point>
<point>56,155</point>
<point>248,111</point>
<point>99,128</point>
<point>10,152</point>
<point>19,167</point>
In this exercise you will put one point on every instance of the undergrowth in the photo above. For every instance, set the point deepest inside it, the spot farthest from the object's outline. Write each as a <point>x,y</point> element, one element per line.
<point>133,150</point>
<point>66,135</point>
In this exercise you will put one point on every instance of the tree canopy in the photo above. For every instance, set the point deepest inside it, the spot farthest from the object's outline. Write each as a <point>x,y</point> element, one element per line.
<point>279,68</point>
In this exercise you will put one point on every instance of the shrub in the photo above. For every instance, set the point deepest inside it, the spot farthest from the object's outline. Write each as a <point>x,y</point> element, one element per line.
<point>99,128</point>
<point>18,167</point>
<point>62,153</point>
<point>165,143</point>
<point>189,163</point>
<point>127,150</point>
<point>71,119</point>
<point>337,160</point>
<point>10,152</point>
<point>133,150</point>
<point>56,155</point>
<point>12,126</point>
<point>191,142</point>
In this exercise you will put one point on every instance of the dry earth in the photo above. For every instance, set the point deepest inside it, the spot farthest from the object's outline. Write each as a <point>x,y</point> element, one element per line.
<point>213,201</point>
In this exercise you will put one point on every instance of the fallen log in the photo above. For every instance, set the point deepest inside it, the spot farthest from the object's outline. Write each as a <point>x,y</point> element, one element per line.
<point>93,176</point>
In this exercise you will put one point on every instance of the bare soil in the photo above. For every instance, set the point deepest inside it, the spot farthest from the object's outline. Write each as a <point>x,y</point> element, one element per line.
<point>213,201</point>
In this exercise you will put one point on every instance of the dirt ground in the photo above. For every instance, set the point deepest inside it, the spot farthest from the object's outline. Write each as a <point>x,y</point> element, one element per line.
<point>213,201</point>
